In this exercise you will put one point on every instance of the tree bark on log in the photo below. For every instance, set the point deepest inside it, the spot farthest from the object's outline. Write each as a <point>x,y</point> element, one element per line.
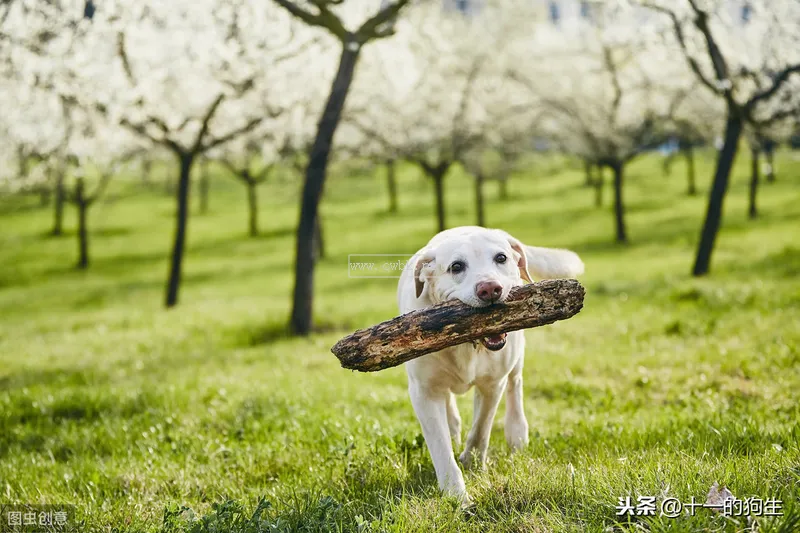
<point>425,331</point>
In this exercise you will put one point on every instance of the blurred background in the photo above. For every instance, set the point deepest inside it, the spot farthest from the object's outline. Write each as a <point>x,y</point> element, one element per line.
<point>182,183</point>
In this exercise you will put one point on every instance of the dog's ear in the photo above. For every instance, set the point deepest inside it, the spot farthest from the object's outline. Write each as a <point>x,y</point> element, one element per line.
<point>522,259</point>
<point>424,260</point>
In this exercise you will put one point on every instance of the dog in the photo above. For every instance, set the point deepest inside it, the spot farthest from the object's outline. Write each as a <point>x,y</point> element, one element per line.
<point>478,266</point>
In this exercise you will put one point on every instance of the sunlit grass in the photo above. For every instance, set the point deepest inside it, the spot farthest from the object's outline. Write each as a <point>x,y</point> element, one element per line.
<point>661,386</point>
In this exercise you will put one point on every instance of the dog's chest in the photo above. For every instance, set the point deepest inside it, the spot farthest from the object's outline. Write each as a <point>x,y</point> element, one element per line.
<point>460,367</point>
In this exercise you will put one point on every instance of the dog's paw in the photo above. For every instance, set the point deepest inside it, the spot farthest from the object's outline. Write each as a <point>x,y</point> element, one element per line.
<point>516,434</point>
<point>458,492</point>
<point>470,459</point>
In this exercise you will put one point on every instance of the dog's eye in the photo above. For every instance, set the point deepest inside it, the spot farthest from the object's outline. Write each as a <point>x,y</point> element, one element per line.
<point>500,258</point>
<point>456,267</point>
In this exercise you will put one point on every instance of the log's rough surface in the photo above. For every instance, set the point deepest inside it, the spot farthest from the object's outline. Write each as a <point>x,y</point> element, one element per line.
<point>425,331</point>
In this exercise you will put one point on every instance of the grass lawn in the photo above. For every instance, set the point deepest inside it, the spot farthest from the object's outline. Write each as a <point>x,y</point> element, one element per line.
<point>207,418</point>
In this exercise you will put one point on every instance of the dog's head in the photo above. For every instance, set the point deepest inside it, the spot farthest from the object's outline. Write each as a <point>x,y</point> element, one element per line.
<point>479,268</point>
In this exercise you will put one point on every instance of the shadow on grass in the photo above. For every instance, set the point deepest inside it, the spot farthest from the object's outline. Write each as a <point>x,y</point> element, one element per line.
<point>784,264</point>
<point>307,512</point>
<point>363,502</point>
<point>275,331</point>
<point>30,427</point>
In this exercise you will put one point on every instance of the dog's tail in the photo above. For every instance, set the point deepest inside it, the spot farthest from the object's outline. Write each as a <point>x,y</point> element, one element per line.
<point>553,263</point>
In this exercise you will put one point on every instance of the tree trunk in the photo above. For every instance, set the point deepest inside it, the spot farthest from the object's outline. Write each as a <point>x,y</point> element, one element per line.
<point>690,171</point>
<point>319,240</point>
<point>186,160</point>
<point>755,161</point>
<point>716,198</point>
<point>770,155</point>
<point>438,183</point>
<point>599,183</point>
<point>58,213</point>
<point>391,182</point>
<point>205,183</point>
<point>619,207</point>
<point>252,207</point>
<point>83,235</point>
<point>147,172</point>
<point>503,188</point>
<point>479,199</point>
<point>588,181</point>
<point>666,165</point>
<point>302,304</point>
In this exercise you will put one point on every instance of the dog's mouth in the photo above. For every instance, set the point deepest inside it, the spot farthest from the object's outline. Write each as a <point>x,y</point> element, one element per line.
<point>495,342</point>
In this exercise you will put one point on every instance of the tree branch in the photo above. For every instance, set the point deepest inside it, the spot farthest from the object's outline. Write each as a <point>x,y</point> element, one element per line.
<point>213,143</point>
<point>123,56</point>
<point>325,18</point>
<point>198,143</point>
<point>141,130</point>
<point>777,82</point>
<point>693,64</point>
<point>381,24</point>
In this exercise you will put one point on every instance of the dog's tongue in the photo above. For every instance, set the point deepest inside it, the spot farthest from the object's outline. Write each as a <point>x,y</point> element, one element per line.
<point>494,339</point>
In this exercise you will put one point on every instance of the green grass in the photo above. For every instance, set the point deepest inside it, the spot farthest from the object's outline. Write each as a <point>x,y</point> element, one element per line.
<point>207,418</point>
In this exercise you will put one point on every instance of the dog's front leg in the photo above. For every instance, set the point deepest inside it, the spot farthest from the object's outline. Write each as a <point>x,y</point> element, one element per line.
<point>431,410</point>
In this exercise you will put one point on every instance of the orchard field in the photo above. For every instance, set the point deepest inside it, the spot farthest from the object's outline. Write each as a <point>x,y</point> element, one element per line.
<point>208,417</point>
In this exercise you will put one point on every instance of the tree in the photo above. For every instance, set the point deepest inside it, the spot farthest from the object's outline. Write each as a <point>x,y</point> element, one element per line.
<point>762,142</point>
<point>83,200</point>
<point>749,65</point>
<point>204,183</point>
<point>377,26</point>
<point>441,98</point>
<point>37,128</point>
<point>694,119</point>
<point>603,94</point>
<point>190,97</point>
<point>755,175</point>
<point>251,167</point>
<point>391,184</point>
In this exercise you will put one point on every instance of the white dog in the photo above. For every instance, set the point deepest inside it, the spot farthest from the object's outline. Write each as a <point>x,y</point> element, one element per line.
<point>479,267</point>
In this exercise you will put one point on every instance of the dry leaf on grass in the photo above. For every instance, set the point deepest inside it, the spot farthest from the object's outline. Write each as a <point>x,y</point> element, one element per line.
<point>718,496</point>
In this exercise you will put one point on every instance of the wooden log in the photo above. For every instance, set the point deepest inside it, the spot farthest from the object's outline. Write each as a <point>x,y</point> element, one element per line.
<point>425,331</point>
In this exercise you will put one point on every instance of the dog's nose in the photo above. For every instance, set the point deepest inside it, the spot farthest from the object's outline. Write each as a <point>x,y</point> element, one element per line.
<point>489,291</point>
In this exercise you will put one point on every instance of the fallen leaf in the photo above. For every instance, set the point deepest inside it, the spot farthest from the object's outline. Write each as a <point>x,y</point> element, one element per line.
<point>718,496</point>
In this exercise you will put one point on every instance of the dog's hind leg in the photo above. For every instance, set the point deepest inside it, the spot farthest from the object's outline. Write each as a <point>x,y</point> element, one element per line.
<point>487,398</point>
<point>516,423</point>
<point>454,420</point>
